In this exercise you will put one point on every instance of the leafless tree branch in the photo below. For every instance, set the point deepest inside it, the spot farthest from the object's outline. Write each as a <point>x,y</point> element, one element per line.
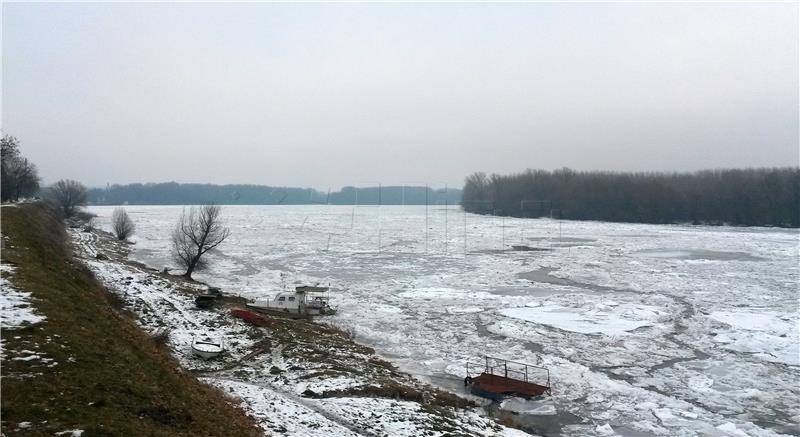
<point>197,232</point>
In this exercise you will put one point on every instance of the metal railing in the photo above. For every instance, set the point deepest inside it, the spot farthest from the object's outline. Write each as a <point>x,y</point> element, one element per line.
<point>517,370</point>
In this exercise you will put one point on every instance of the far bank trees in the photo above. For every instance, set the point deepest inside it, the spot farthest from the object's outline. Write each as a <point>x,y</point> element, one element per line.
<point>197,232</point>
<point>750,197</point>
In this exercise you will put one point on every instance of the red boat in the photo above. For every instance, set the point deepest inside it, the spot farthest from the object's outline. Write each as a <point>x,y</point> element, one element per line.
<point>251,317</point>
<point>497,379</point>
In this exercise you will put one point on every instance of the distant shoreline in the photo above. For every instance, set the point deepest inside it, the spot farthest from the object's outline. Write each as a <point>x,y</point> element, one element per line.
<point>172,193</point>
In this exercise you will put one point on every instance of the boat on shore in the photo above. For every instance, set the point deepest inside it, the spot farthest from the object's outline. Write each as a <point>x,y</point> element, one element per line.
<point>207,348</point>
<point>205,301</point>
<point>208,299</point>
<point>304,302</point>
<point>498,379</point>
<point>251,317</point>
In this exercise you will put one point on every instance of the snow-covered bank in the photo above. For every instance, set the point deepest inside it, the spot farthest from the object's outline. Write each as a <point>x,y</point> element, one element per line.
<point>295,377</point>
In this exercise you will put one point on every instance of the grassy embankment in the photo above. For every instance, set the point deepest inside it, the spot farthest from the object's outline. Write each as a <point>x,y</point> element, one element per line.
<point>111,377</point>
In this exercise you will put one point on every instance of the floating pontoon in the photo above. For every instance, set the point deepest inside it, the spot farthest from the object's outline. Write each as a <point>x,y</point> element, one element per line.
<point>497,379</point>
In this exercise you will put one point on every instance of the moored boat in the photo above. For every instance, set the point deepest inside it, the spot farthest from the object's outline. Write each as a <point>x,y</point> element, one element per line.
<point>251,317</point>
<point>207,348</point>
<point>304,302</point>
<point>205,300</point>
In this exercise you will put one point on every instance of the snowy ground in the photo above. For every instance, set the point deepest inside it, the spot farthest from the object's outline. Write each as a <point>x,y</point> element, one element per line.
<point>646,330</point>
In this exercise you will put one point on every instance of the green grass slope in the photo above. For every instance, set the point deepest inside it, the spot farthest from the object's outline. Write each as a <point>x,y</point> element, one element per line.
<point>111,377</point>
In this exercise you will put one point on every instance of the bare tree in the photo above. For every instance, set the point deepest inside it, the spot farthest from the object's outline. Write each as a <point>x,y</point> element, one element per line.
<point>197,232</point>
<point>122,224</point>
<point>20,178</point>
<point>25,178</point>
<point>90,225</point>
<point>67,195</point>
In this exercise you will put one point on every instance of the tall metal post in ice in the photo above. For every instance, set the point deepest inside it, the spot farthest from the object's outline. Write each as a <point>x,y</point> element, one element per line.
<point>445,218</point>
<point>426,218</point>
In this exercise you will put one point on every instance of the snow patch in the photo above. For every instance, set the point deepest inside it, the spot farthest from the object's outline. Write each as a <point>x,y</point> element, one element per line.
<point>16,309</point>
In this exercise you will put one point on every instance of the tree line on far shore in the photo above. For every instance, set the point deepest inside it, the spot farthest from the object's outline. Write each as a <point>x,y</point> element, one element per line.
<point>750,197</point>
<point>173,193</point>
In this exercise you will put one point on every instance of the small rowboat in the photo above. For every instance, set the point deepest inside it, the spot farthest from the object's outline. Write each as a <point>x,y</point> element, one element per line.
<point>207,348</point>
<point>251,317</point>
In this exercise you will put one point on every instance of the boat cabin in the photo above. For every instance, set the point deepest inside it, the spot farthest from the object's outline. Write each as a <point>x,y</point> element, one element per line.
<point>305,301</point>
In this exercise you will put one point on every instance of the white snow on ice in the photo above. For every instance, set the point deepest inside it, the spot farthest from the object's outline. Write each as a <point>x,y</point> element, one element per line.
<point>768,335</point>
<point>607,318</point>
<point>640,319</point>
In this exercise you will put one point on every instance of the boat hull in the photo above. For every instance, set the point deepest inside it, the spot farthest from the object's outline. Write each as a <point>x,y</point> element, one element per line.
<point>497,387</point>
<point>251,317</point>
<point>281,312</point>
<point>206,355</point>
<point>207,349</point>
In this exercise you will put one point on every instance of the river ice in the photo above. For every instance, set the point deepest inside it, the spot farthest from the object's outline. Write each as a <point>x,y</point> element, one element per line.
<point>646,329</point>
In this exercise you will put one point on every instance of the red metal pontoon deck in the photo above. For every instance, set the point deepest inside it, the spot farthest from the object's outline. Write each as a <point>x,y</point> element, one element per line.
<point>498,378</point>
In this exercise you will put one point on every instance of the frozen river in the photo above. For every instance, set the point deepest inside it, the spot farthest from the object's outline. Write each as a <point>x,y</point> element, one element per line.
<point>646,329</point>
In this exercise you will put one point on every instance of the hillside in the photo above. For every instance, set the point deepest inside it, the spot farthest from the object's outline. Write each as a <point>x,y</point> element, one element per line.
<point>87,366</point>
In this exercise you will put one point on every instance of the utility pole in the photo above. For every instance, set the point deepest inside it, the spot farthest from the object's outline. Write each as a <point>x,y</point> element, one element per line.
<point>445,218</point>
<point>426,218</point>
<point>465,229</point>
<point>503,248</point>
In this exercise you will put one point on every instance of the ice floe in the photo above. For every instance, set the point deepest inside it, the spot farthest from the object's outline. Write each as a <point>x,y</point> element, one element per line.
<point>609,318</point>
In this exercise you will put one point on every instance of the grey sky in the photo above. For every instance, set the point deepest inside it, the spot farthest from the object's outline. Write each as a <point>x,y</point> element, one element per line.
<point>327,95</point>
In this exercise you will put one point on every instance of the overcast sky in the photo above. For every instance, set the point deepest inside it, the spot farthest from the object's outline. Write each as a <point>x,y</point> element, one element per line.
<point>326,95</point>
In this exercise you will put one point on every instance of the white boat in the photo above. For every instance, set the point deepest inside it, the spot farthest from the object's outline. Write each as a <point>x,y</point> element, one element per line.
<point>207,348</point>
<point>304,302</point>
